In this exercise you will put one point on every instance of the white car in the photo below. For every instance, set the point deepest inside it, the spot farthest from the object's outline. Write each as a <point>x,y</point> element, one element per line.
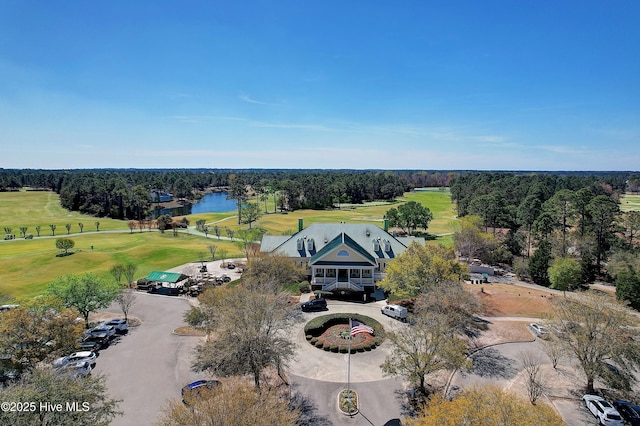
<point>81,356</point>
<point>395,311</point>
<point>75,369</point>
<point>603,410</point>
<point>538,330</point>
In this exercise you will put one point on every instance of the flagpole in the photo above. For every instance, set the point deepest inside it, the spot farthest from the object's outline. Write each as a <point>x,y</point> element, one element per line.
<point>349,361</point>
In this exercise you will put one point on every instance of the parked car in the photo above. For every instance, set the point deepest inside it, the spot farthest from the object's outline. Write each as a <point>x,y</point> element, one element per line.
<point>121,325</point>
<point>395,311</point>
<point>231,265</point>
<point>605,412</point>
<point>314,305</point>
<point>88,356</point>
<point>628,411</point>
<point>111,331</point>
<point>75,369</point>
<point>538,329</point>
<point>99,336</point>
<point>88,344</point>
<point>198,389</point>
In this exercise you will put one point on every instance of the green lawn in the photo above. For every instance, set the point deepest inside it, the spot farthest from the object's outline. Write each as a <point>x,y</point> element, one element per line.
<point>630,203</point>
<point>28,265</point>
<point>37,208</point>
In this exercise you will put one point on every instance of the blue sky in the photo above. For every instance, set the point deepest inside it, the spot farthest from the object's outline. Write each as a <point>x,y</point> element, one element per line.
<point>485,85</point>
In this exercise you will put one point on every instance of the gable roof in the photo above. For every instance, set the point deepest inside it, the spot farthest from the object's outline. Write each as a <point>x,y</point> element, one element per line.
<point>340,240</point>
<point>363,236</point>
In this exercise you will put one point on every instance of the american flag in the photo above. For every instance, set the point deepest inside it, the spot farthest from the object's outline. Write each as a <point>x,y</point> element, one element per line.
<point>357,327</point>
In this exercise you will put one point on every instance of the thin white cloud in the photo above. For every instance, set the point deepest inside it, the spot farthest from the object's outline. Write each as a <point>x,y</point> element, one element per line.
<point>246,98</point>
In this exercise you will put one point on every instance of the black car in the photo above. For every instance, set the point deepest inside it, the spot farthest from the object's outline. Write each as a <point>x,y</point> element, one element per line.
<point>88,345</point>
<point>314,305</point>
<point>628,411</point>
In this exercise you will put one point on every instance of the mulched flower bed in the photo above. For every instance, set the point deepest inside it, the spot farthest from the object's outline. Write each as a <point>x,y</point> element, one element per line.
<point>339,335</point>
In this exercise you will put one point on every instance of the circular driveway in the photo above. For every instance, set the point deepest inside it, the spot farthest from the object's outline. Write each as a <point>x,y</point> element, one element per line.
<point>318,364</point>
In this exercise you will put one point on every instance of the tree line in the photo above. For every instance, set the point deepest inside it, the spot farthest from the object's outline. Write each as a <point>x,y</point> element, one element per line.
<point>558,231</point>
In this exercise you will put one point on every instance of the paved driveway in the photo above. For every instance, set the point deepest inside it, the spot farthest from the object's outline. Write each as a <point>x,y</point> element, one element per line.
<point>149,365</point>
<point>501,365</point>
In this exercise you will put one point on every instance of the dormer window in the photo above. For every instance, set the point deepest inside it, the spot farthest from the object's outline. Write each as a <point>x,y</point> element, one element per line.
<point>387,246</point>
<point>300,244</point>
<point>376,245</point>
<point>310,244</point>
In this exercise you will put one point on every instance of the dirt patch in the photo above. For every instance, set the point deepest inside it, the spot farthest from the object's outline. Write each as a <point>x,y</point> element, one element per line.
<point>189,331</point>
<point>507,300</point>
<point>503,332</point>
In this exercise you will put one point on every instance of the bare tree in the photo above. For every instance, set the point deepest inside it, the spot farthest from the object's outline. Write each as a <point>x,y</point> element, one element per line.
<point>212,250</point>
<point>250,332</point>
<point>53,229</point>
<point>126,299</point>
<point>68,226</point>
<point>81,226</point>
<point>97,226</point>
<point>553,349</point>
<point>23,231</point>
<point>232,403</point>
<point>534,382</point>
<point>116,272</point>
<point>427,346</point>
<point>38,228</point>
<point>596,330</point>
<point>129,272</point>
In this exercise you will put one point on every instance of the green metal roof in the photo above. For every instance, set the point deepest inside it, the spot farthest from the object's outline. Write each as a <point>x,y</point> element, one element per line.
<point>165,277</point>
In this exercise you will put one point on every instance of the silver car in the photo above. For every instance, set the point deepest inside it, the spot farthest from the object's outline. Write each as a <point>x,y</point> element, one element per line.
<point>75,369</point>
<point>80,356</point>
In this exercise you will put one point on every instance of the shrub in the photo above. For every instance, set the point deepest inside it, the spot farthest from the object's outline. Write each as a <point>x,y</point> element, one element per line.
<point>313,340</point>
<point>334,348</point>
<point>308,337</point>
<point>319,344</point>
<point>342,349</point>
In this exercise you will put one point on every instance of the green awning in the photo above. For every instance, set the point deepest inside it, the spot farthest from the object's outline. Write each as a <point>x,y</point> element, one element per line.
<point>165,277</point>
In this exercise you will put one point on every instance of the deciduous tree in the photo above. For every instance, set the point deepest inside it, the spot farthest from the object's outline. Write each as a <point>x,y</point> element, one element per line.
<point>85,292</point>
<point>270,272</point>
<point>409,216</point>
<point>65,244</point>
<point>429,345</point>
<point>94,406</point>
<point>420,267</point>
<point>594,330</point>
<point>564,274</point>
<point>249,332</point>
<point>249,213</point>
<point>470,239</point>
<point>234,403</point>
<point>488,406</point>
<point>37,329</point>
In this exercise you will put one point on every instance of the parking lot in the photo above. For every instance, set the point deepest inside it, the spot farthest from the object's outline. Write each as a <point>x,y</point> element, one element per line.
<point>150,364</point>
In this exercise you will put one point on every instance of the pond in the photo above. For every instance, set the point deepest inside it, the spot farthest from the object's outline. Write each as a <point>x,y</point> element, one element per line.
<point>215,202</point>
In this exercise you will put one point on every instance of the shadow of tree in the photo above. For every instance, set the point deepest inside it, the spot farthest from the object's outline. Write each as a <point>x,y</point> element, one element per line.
<point>491,363</point>
<point>308,411</point>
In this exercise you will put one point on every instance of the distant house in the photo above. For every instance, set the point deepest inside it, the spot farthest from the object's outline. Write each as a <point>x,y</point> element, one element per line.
<point>341,257</point>
<point>160,197</point>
